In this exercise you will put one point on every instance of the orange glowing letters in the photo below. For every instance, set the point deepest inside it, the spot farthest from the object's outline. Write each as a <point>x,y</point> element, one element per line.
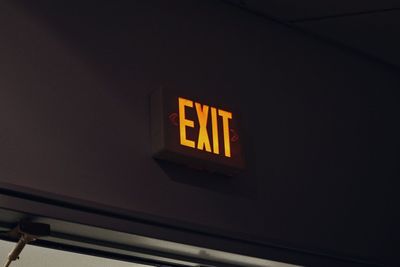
<point>203,140</point>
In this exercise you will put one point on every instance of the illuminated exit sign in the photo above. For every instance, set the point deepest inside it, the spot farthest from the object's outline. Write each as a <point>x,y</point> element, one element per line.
<point>195,132</point>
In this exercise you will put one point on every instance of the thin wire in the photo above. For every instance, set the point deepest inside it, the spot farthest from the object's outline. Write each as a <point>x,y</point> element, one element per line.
<point>7,263</point>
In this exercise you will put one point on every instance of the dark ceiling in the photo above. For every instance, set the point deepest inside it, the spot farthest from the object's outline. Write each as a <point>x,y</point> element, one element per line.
<point>372,27</point>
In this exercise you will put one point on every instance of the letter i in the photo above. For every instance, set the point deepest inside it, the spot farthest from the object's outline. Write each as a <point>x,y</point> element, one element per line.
<point>214,124</point>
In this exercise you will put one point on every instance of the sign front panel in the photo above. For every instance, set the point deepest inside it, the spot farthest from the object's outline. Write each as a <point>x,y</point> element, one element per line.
<point>196,133</point>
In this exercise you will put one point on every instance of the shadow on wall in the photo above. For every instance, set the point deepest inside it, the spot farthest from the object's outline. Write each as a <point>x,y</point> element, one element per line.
<point>235,186</point>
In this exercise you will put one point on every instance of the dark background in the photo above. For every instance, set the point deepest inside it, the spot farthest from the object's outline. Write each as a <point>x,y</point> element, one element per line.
<point>320,123</point>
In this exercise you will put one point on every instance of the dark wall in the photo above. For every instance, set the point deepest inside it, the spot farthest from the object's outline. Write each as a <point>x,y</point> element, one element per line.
<point>320,123</point>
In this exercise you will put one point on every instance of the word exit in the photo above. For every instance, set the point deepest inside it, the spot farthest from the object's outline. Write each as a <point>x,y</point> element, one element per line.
<point>205,116</point>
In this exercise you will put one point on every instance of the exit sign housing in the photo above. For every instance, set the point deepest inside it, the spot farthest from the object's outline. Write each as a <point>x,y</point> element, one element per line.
<point>195,133</point>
